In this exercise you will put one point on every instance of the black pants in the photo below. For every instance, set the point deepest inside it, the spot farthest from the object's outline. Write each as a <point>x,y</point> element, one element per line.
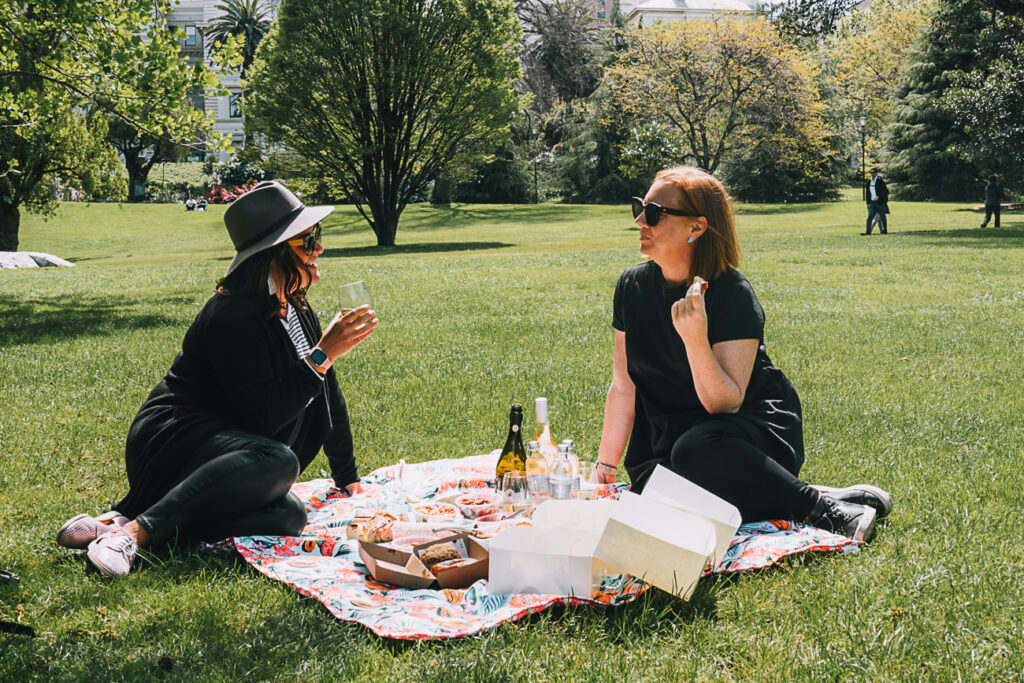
<point>735,464</point>
<point>876,210</point>
<point>235,484</point>
<point>989,211</point>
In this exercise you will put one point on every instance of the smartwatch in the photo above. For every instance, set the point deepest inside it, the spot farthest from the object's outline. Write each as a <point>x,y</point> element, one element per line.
<point>319,358</point>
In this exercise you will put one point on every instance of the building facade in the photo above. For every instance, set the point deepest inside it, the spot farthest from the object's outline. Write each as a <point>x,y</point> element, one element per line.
<point>193,17</point>
<point>646,12</point>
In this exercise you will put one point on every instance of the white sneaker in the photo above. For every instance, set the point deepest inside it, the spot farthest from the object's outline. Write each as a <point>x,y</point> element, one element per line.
<point>81,530</point>
<point>112,553</point>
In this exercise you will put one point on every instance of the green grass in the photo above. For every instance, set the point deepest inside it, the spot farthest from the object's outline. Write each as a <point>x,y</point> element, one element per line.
<point>906,351</point>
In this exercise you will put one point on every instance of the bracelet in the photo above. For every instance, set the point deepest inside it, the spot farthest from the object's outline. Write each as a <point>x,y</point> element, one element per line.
<point>611,467</point>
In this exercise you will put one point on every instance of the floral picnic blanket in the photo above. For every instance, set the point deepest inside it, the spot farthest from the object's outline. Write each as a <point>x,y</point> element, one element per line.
<point>323,564</point>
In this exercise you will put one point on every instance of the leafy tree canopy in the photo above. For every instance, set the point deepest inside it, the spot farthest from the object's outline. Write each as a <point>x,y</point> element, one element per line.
<point>808,19</point>
<point>59,61</point>
<point>923,137</point>
<point>246,20</point>
<point>720,89</point>
<point>987,102</point>
<point>386,95</point>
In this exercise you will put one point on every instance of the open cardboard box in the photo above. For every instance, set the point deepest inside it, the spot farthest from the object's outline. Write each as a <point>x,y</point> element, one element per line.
<point>652,537</point>
<point>403,567</point>
<point>397,567</point>
<point>465,576</point>
<point>556,560</point>
<point>667,487</point>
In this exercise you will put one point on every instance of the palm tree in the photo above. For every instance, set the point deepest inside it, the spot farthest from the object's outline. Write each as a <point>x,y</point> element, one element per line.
<point>245,18</point>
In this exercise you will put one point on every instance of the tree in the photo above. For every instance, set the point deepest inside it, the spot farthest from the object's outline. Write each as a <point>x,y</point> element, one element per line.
<point>921,158</point>
<point>58,62</point>
<point>386,95</point>
<point>243,19</point>
<point>864,62</point>
<point>720,87</point>
<point>140,150</point>
<point>560,50</point>
<point>986,102</point>
<point>808,19</point>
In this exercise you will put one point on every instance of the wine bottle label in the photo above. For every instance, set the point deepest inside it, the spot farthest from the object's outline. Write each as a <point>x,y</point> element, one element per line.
<point>515,428</point>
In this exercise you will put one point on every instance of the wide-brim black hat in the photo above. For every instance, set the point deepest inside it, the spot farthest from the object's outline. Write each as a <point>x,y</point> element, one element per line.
<point>266,215</point>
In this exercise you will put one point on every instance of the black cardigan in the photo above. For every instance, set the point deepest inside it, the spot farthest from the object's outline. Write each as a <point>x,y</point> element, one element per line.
<point>237,370</point>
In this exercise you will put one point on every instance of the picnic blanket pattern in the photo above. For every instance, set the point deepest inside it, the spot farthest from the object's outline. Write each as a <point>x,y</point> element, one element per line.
<point>323,564</point>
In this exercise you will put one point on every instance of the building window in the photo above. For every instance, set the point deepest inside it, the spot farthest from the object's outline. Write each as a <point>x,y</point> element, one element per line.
<point>191,36</point>
<point>235,106</point>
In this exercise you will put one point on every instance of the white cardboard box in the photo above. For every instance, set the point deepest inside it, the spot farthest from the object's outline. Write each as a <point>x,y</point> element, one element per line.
<point>576,514</point>
<point>667,487</point>
<point>557,560</point>
<point>659,544</point>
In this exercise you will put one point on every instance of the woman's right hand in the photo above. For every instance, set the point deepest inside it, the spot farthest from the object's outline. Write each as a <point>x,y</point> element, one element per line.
<point>347,330</point>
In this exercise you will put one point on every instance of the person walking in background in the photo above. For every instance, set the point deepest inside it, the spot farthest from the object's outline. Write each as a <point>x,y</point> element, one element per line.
<point>877,195</point>
<point>993,198</point>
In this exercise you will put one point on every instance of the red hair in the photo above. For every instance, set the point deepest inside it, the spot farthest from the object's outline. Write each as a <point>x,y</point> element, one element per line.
<point>701,194</point>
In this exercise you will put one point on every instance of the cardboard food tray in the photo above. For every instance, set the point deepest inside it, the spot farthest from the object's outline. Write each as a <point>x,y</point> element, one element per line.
<point>397,567</point>
<point>460,577</point>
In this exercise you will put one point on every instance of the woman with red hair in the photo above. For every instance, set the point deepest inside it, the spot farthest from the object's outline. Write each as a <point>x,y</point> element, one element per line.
<point>692,387</point>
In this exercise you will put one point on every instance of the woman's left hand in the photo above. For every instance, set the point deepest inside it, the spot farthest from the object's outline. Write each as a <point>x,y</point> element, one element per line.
<point>689,316</point>
<point>353,488</point>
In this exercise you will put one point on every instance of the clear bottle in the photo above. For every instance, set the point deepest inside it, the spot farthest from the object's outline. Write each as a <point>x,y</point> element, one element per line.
<point>513,455</point>
<point>537,471</point>
<point>543,437</point>
<point>561,475</point>
<point>574,462</point>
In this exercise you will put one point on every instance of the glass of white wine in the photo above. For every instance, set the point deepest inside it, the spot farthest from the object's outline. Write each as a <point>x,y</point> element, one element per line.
<point>515,492</point>
<point>354,295</point>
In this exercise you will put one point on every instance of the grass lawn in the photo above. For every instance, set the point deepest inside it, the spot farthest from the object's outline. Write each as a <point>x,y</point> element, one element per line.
<point>906,350</point>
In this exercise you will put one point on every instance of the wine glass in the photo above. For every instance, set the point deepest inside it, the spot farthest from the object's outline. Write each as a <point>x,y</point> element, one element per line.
<point>354,295</point>
<point>514,490</point>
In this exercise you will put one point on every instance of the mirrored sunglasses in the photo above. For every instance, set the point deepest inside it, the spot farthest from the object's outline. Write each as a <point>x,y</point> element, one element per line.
<point>308,241</point>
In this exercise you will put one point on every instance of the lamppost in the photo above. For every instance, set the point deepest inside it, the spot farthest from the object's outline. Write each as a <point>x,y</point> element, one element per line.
<point>863,123</point>
<point>533,158</point>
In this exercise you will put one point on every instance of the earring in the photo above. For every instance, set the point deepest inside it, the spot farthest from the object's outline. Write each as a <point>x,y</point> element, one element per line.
<point>690,240</point>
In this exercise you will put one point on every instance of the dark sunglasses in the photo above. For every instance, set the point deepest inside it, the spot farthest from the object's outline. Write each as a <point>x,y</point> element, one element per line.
<point>652,212</point>
<point>308,241</point>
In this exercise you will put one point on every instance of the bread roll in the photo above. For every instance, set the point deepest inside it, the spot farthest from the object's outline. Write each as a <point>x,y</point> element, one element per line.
<point>439,552</point>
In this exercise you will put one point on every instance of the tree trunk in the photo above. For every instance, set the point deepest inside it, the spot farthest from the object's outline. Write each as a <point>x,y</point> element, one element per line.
<point>10,219</point>
<point>137,174</point>
<point>441,193</point>
<point>385,223</point>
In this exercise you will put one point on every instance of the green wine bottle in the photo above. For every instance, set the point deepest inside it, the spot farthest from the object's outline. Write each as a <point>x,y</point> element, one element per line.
<point>513,455</point>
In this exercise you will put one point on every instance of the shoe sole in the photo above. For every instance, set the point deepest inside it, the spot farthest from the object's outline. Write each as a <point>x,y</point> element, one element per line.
<point>876,493</point>
<point>866,529</point>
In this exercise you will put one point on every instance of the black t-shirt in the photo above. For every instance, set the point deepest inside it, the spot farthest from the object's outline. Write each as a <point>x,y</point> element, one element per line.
<point>666,398</point>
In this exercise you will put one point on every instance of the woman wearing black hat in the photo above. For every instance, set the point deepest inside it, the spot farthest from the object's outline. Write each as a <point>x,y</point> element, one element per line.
<point>245,406</point>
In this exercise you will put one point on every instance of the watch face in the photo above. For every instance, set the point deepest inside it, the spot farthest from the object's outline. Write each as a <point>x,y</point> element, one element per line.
<point>318,356</point>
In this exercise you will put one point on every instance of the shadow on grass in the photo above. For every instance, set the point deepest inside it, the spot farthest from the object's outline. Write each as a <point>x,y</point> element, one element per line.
<point>779,209</point>
<point>426,218</point>
<point>982,238</point>
<point>34,321</point>
<point>417,248</point>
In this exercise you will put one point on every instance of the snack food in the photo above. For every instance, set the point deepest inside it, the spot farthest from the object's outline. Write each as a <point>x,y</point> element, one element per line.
<point>437,512</point>
<point>698,280</point>
<point>477,504</point>
<point>445,565</point>
<point>378,529</point>
<point>439,552</point>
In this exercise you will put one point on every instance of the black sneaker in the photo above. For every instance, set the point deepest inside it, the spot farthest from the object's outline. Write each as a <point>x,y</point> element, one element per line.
<point>849,519</point>
<point>861,494</point>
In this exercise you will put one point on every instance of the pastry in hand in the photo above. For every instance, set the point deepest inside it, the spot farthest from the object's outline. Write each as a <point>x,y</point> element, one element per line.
<point>698,280</point>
